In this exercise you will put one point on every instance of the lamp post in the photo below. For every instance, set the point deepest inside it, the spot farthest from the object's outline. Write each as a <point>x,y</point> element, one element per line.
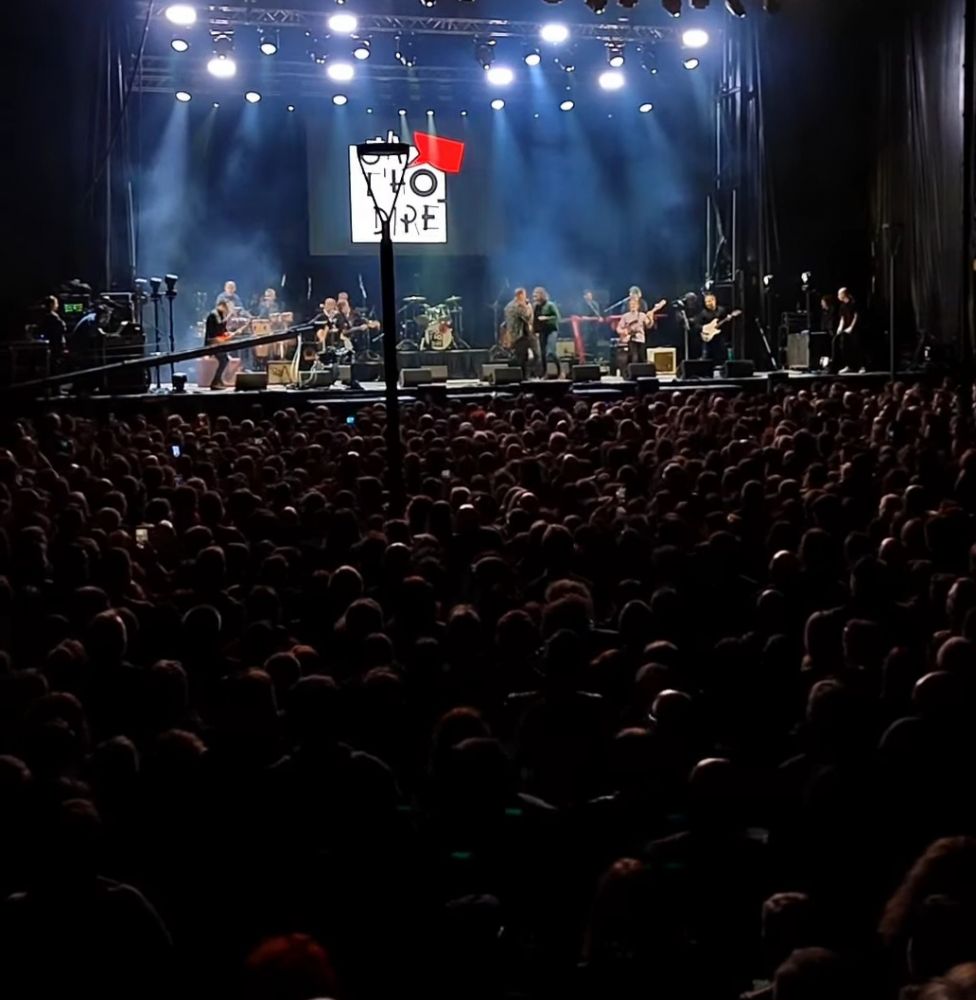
<point>155,284</point>
<point>396,155</point>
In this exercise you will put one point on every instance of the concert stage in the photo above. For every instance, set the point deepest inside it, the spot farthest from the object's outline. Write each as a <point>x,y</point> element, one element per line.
<point>346,399</point>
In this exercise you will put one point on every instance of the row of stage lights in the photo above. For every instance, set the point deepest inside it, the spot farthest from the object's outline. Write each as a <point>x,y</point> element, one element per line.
<point>340,100</point>
<point>223,65</point>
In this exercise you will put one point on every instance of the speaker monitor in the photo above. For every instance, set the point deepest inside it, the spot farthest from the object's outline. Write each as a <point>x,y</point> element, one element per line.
<point>367,371</point>
<point>504,375</point>
<point>279,372</point>
<point>438,373</point>
<point>638,370</point>
<point>415,376</point>
<point>316,380</point>
<point>738,369</point>
<point>251,380</point>
<point>585,373</point>
<point>697,368</point>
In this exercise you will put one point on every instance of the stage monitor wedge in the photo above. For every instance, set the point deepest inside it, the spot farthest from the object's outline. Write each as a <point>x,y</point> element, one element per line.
<point>585,373</point>
<point>251,381</point>
<point>697,368</point>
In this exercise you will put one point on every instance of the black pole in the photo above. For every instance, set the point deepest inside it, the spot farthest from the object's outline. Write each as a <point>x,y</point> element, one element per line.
<point>394,444</point>
<point>155,301</point>
<point>171,295</point>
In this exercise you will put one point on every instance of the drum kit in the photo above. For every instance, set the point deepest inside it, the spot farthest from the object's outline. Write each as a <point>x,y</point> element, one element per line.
<point>427,327</point>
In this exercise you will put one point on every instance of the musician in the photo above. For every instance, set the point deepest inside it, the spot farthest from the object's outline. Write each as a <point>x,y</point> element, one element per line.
<point>52,329</point>
<point>331,324</point>
<point>632,330</point>
<point>216,333</point>
<point>545,322</point>
<point>230,297</point>
<point>635,290</point>
<point>590,305</point>
<point>269,304</point>
<point>717,348</point>
<point>520,318</point>
<point>848,347</point>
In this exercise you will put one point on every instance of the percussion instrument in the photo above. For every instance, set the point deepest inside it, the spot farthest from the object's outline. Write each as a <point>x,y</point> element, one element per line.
<point>261,328</point>
<point>438,337</point>
<point>413,299</point>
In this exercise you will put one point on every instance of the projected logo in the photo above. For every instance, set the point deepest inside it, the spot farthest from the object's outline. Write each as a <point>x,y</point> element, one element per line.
<point>421,212</point>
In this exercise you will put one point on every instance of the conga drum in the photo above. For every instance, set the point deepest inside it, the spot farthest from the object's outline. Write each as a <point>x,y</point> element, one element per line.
<point>261,328</point>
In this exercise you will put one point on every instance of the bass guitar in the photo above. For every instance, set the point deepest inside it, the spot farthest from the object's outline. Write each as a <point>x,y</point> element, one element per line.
<point>711,330</point>
<point>649,319</point>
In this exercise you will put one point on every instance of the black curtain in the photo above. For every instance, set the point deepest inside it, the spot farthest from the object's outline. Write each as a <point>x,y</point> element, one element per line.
<point>919,204</point>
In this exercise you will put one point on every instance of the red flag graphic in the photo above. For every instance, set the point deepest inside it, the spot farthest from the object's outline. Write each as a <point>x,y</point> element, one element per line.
<point>442,154</point>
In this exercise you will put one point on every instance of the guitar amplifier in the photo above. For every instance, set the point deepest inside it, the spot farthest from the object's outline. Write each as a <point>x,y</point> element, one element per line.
<point>804,350</point>
<point>566,350</point>
<point>279,373</point>
<point>664,359</point>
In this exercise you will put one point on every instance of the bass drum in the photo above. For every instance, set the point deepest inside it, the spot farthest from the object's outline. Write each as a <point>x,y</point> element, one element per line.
<point>439,336</point>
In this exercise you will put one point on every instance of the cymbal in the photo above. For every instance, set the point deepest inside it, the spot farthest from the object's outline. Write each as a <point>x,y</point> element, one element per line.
<point>414,298</point>
<point>452,299</point>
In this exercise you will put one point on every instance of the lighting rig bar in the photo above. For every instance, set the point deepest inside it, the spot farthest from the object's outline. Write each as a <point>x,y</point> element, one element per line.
<point>225,16</point>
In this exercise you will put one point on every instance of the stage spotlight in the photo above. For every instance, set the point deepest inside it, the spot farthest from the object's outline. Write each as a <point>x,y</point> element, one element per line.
<point>183,96</point>
<point>155,284</point>
<point>533,57</point>
<point>428,3</point>
<point>291,107</point>
<point>646,107</point>
<point>567,105</point>
<point>430,112</point>
<point>628,4</point>
<point>464,114</point>
<point>252,97</point>
<point>342,72</point>
<point>182,14</point>
<point>768,280</point>
<point>611,79</point>
<point>597,6</point>
<point>484,52</point>
<point>691,63</point>
<point>554,33</point>
<point>179,45</point>
<point>402,112</point>
<point>497,104</point>
<point>171,280</point>
<point>500,76</point>
<point>672,7</point>
<point>369,111</point>
<point>223,67</point>
<point>268,46</point>
<point>694,38</point>
<point>700,4</point>
<point>615,56</point>
<point>735,8</point>
<point>361,50</point>
<point>339,100</point>
<point>806,279</point>
<point>343,24</point>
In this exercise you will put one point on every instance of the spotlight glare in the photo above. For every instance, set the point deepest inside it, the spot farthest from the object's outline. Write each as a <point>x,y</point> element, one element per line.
<point>252,97</point>
<point>402,112</point>
<point>339,100</point>
<point>672,7</point>
<point>611,79</point>
<point>342,72</point>
<point>179,45</point>
<point>500,76</point>
<point>533,58</point>
<point>291,107</point>
<point>497,104</point>
<point>362,50</point>
<point>216,104</point>
<point>343,24</point>
<point>222,67</point>
<point>646,107</point>
<point>615,56</point>
<point>464,114</point>
<point>735,8</point>
<point>554,33</point>
<point>694,38</point>
<point>567,105</point>
<point>182,14</point>
<point>692,63</point>
<point>269,47</point>
<point>430,112</point>
<point>183,96</point>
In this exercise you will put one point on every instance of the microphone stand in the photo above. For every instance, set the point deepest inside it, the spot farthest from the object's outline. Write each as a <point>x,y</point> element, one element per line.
<point>171,295</point>
<point>156,299</point>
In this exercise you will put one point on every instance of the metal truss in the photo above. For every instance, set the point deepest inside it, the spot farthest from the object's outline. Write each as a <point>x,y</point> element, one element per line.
<point>229,16</point>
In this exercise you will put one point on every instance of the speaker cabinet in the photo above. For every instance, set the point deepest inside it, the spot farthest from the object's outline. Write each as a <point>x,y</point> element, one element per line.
<point>415,376</point>
<point>738,369</point>
<point>251,381</point>
<point>638,370</point>
<point>367,371</point>
<point>438,373</point>
<point>697,368</point>
<point>503,375</point>
<point>585,373</point>
<point>664,359</point>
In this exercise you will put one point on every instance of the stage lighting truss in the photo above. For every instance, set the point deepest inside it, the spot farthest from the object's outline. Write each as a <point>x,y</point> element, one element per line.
<point>222,64</point>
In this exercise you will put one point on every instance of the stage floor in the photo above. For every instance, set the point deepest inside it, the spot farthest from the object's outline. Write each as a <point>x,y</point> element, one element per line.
<point>343,396</point>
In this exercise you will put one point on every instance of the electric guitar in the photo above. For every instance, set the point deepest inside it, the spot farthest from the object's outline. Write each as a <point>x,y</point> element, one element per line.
<point>711,330</point>
<point>651,318</point>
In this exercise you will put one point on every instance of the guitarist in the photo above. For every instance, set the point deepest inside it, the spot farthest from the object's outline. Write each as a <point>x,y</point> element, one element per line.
<point>717,349</point>
<point>633,326</point>
<point>519,323</point>
<point>216,333</point>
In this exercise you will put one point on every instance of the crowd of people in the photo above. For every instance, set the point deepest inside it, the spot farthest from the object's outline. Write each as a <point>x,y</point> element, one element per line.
<point>669,697</point>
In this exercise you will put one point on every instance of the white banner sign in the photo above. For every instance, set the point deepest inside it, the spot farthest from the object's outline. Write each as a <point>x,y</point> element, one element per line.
<point>421,211</point>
